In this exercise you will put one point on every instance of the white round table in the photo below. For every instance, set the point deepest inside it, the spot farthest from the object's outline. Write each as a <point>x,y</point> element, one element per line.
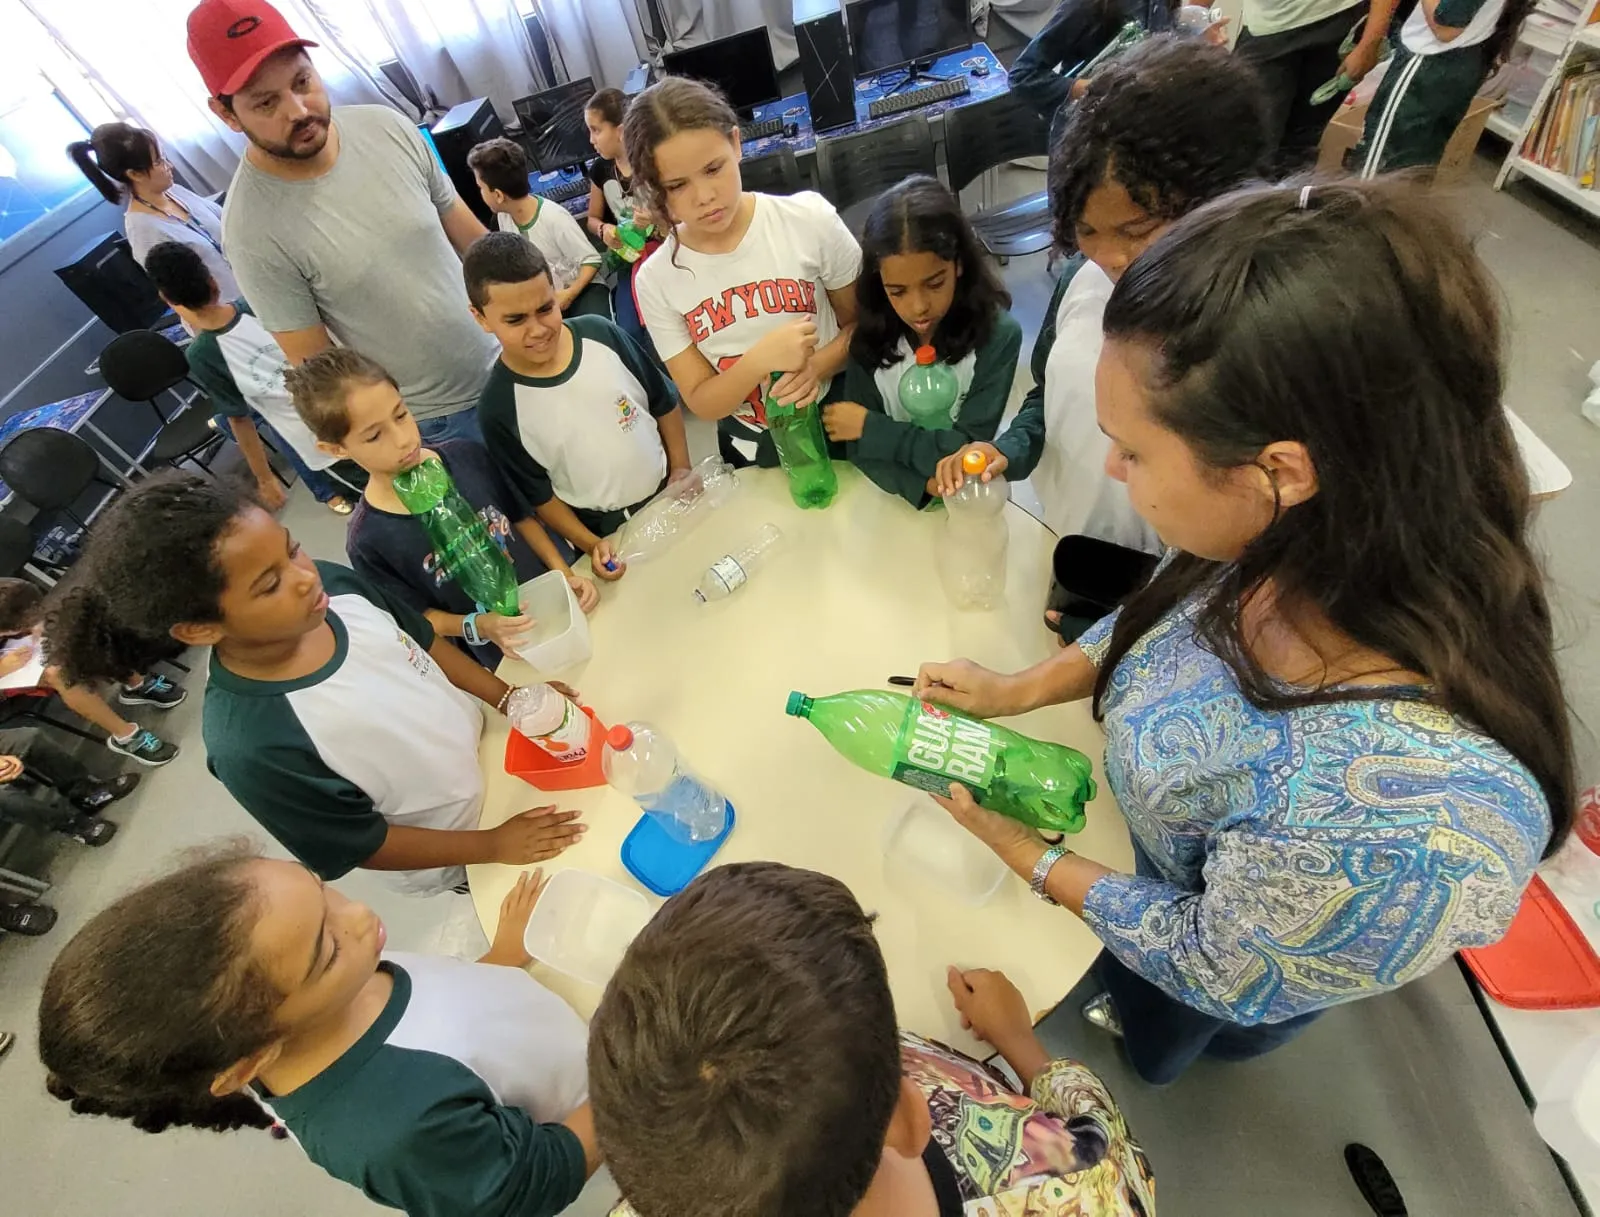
<point>851,598</point>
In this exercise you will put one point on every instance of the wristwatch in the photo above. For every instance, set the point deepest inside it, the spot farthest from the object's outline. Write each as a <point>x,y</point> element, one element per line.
<point>1041,872</point>
<point>469,630</point>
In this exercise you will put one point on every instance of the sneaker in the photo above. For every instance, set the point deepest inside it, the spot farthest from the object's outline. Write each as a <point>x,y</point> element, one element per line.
<point>87,830</point>
<point>155,691</point>
<point>30,919</point>
<point>95,797</point>
<point>144,746</point>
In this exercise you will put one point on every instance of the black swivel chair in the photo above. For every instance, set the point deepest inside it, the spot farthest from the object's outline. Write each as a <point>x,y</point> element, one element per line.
<point>775,173</point>
<point>977,139</point>
<point>140,366</point>
<point>860,166</point>
<point>51,469</point>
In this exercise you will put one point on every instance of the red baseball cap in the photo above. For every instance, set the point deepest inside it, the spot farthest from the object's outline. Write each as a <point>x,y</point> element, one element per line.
<point>229,39</point>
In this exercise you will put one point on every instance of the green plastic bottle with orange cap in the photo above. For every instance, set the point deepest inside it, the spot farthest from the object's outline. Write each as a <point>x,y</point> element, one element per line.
<point>929,390</point>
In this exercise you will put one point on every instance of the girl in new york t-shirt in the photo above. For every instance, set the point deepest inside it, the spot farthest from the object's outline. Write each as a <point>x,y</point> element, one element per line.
<point>747,285</point>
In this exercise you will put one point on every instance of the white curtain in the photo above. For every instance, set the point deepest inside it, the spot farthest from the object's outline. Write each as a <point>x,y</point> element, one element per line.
<point>1025,16</point>
<point>462,49</point>
<point>691,22</point>
<point>135,52</point>
<point>604,39</point>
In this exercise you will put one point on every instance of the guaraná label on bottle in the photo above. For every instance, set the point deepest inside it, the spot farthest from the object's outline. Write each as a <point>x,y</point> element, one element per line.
<point>729,573</point>
<point>937,747</point>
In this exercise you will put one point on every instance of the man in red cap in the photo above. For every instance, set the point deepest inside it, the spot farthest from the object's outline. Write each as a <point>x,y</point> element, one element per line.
<point>340,222</point>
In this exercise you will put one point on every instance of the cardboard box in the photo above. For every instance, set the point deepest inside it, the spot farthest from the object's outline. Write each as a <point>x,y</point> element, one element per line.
<point>1344,133</point>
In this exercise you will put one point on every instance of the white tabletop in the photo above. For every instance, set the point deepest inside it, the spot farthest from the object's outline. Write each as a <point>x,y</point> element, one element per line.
<point>850,599</point>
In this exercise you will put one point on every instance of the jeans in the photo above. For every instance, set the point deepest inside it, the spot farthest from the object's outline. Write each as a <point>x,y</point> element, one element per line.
<point>463,424</point>
<point>625,310</point>
<point>1162,1036</point>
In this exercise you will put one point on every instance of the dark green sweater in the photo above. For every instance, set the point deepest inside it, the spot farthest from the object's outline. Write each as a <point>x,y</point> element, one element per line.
<point>1022,443</point>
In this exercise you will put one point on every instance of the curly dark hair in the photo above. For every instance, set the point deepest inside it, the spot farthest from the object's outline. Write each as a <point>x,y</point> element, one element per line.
<point>1416,542</point>
<point>1175,120</point>
<point>920,215</point>
<point>150,564</point>
<point>156,996</point>
<point>180,275</point>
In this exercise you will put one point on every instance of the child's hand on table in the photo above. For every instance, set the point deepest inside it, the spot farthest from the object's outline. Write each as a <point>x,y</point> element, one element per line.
<point>507,949</point>
<point>535,836</point>
<point>588,595</point>
<point>504,632</point>
<point>993,1009</point>
<point>600,556</point>
<point>10,769</point>
<point>17,658</point>
<point>844,420</point>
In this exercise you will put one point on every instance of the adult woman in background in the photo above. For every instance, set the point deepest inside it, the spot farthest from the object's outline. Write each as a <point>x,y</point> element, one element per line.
<point>124,163</point>
<point>1333,718</point>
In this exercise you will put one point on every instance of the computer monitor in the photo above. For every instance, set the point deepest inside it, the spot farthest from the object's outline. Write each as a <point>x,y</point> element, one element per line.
<point>888,34</point>
<point>741,66</point>
<point>554,134</point>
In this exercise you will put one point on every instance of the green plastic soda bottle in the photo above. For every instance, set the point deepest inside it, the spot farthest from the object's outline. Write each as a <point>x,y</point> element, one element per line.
<point>802,450</point>
<point>461,543</point>
<point>928,391</point>
<point>929,746</point>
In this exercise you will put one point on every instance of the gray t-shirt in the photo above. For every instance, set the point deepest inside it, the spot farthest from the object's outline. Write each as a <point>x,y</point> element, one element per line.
<point>361,250</point>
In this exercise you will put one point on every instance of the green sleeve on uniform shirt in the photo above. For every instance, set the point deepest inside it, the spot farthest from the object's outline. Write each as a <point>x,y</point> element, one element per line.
<point>342,581</point>
<point>1457,14</point>
<point>661,393</point>
<point>208,368</point>
<point>527,481</point>
<point>1022,443</point>
<point>901,456</point>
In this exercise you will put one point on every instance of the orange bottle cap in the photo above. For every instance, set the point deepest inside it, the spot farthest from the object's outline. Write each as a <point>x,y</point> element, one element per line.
<point>620,737</point>
<point>926,355</point>
<point>974,463</point>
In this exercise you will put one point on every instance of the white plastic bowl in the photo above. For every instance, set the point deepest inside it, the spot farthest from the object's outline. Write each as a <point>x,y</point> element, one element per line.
<point>559,638</point>
<point>924,845</point>
<point>583,924</point>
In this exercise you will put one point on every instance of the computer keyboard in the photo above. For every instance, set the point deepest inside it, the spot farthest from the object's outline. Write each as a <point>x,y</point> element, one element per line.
<point>913,99</point>
<point>563,192</point>
<point>760,128</point>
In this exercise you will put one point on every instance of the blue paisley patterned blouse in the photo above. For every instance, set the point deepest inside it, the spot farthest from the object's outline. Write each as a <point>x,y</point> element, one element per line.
<point>1305,857</point>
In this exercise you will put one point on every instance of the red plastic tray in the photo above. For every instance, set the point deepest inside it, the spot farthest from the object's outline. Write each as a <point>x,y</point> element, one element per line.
<point>526,760</point>
<point>1543,963</point>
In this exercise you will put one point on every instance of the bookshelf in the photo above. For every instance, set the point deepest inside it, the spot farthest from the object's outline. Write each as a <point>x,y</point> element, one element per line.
<point>1547,34</point>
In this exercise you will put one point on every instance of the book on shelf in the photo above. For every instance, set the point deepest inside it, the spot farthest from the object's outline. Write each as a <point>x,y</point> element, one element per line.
<point>1567,136</point>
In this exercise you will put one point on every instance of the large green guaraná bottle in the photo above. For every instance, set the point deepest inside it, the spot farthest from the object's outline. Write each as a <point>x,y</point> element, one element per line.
<point>461,542</point>
<point>930,746</point>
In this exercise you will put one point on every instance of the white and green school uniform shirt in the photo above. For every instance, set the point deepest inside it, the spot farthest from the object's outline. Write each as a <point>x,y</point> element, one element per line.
<point>556,234</point>
<point>450,1104</point>
<point>1476,19</point>
<point>241,368</point>
<point>375,737</point>
<point>587,436</point>
<point>794,253</point>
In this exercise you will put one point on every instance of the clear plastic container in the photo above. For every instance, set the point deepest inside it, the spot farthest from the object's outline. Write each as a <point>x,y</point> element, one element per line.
<point>1568,1114</point>
<point>583,924</point>
<point>559,638</point>
<point>923,845</point>
<point>971,548</point>
<point>656,526</point>
<point>644,764</point>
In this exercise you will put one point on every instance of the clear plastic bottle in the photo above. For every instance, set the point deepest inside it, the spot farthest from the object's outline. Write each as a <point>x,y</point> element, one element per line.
<point>551,720</point>
<point>656,526</point>
<point>731,571</point>
<point>644,764</point>
<point>971,550</point>
<point>928,391</point>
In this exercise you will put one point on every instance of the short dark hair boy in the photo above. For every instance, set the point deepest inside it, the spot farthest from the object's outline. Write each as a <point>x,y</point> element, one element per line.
<point>501,165</point>
<point>499,257</point>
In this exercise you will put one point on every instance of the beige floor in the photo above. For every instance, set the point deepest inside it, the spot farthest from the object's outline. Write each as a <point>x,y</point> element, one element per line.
<point>1548,265</point>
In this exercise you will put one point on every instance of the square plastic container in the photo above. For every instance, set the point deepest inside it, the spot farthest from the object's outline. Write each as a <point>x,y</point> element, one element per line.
<point>663,864</point>
<point>559,638</point>
<point>924,845</point>
<point>583,924</point>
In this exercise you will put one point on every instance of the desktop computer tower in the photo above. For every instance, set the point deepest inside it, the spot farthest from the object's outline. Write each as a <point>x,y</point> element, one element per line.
<point>105,277</point>
<point>819,32</point>
<point>456,133</point>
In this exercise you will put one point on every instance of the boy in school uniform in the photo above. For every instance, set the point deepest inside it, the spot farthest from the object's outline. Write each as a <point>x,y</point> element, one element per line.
<point>501,169</point>
<point>584,427</point>
<point>241,366</point>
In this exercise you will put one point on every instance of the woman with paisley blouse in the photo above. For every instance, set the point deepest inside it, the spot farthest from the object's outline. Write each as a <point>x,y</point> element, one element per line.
<point>1333,719</point>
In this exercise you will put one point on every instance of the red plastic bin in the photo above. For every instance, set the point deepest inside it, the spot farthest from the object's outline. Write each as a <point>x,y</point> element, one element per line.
<point>1543,963</point>
<point>526,760</point>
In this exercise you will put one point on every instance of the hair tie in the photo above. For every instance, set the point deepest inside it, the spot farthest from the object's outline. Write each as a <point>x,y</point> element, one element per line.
<point>1305,198</point>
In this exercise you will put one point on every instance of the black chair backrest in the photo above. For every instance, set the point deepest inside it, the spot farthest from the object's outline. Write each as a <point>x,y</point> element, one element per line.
<point>47,467</point>
<point>16,546</point>
<point>977,138</point>
<point>775,173</point>
<point>141,364</point>
<point>860,166</point>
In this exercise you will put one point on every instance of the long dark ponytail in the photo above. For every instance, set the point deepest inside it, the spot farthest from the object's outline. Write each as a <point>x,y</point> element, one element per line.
<point>112,151</point>
<point>1351,318</point>
<point>156,996</point>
